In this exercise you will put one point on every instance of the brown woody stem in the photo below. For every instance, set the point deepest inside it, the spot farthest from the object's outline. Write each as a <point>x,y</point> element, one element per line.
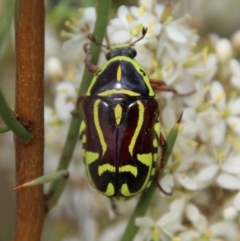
<point>29,31</point>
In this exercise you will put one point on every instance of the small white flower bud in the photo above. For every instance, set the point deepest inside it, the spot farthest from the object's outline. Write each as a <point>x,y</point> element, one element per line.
<point>65,100</point>
<point>224,50</point>
<point>54,68</point>
<point>236,41</point>
<point>230,213</point>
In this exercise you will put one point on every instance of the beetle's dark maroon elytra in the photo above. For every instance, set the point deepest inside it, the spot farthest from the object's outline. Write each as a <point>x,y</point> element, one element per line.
<point>123,148</point>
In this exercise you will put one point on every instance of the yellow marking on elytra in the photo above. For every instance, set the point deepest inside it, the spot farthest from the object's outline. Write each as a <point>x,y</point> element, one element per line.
<point>97,124</point>
<point>155,157</point>
<point>149,184</point>
<point>118,113</point>
<point>146,159</point>
<point>125,190</point>
<point>119,73</point>
<point>153,171</point>
<point>84,139</point>
<point>105,167</point>
<point>82,127</point>
<point>122,91</point>
<point>129,168</point>
<point>138,128</point>
<point>157,128</point>
<point>155,142</point>
<point>110,189</point>
<point>91,157</point>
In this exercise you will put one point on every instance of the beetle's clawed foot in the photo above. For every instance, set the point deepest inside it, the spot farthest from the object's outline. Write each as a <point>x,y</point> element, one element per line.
<point>160,85</point>
<point>91,67</point>
<point>163,191</point>
<point>180,118</point>
<point>93,38</point>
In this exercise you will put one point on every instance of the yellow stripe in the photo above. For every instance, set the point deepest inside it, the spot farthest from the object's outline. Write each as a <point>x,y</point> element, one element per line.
<point>153,171</point>
<point>157,128</point>
<point>110,189</point>
<point>110,92</point>
<point>155,142</point>
<point>149,184</point>
<point>119,73</point>
<point>82,127</point>
<point>84,139</point>
<point>135,64</point>
<point>105,167</point>
<point>91,157</point>
<point>118,113</point>
<point>145,159</point>
<point>97,124</point>
<point>129,168</point>
<point>155,157</point>
<point>125,191</point>
<point>139,126</point>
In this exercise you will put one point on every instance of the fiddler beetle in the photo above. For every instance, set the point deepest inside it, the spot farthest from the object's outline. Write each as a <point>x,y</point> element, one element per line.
<point>123,148</point>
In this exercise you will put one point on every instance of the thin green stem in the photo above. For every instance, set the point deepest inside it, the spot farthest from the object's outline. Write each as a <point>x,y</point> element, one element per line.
<point>146,197</point>
<point>103,11</point>
<point>12,123</point>
<point>4,129</point>
<point>139,211</point>
<point>58,192</point>
<point>6,14</point>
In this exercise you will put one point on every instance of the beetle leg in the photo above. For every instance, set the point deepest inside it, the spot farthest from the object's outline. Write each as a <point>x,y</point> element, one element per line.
<point>162,190</point>
<point>162,162</point>
<point>163,146</point>
<point>160,85</point>
<point>91,67</point>
<point>79,104</point>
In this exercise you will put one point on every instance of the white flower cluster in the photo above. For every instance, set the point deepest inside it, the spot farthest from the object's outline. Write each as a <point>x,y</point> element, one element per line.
<point>204,170</point>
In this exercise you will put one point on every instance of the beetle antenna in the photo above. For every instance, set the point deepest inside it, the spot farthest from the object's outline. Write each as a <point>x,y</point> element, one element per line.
<point>92,37</point>
<point>144,31</point>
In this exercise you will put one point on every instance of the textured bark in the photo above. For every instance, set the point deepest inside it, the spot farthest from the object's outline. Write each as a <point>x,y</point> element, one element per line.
<point>29,31</point>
